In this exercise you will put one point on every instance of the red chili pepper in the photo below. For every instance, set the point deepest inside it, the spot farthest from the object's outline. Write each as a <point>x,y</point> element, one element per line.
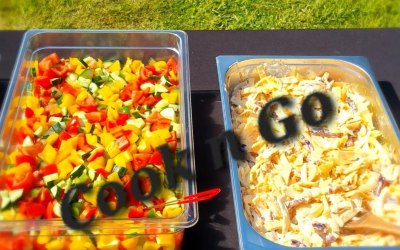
<point>48,169</point>
<point>29,112</point>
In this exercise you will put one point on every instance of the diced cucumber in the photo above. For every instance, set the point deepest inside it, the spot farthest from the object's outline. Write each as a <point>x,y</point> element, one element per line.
<point>137,115</point>
<point>55,81</point>
<point>33,71</point>
<point>64,111</point>
<point>160,89</point>
<point>83,62</point>
<point>27,142</point>
<point>84,82</point>
<point>15,194</point>
<point>58,127</point>
<point>76,208</point>
<point>92,174</point>
<point>34,192</point>
<point>125,110</point>
<point>57,209</point>
<point>128,103</point>
<point>100,181</point>
<point>71,78</point>
<point>174,106</point>
<point>49,178</point>
<point>98,72</point>
<point>120,170</point>
<point>87,74</point>
<point>81,179</point>
<point>93,88</point>
<point>177,128</point>
<point>138,122</point>
<point>77,171</point>
<point>85,156</point>
<point>148,85</point>
<point>164,79</point>
<point>62,184</point>
<point>169,113</point>
<point>88,60</point>
<point>161,104</point>
<point>5,199</point>
<point>55,191</point>
<point>108,63</point>
<point>55,92</point>
<point>148,203</point>
<point>54,119</point>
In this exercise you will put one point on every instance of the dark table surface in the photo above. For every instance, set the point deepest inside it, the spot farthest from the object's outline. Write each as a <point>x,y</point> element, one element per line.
<point>216,228</point>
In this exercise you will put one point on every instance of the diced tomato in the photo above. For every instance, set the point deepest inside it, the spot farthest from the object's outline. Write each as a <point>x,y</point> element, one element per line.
<point>42,81</point>
<point>157,202</point>
<point>89,104</point>
<point>47,62</point>
<point>136,96</point>
<point>160,124</point>
<point>140,161</point>
<point>110,125</point>
<point>156,158</point>
<point>122,143</point>
<point>48,169</point>
<point>172,64</point>
<point>29,112</point>
<point>66,88</point>
<point>145,184</point>
<point>126,93</point>
<point>26,158</point>
<point>136,212</point>
<point>96,116</point>
<point>33,150</point>
<point>122,118</point>
<point>144,74</point>
<point>96,153</point>
<point>24,181</point>
<point>150,100</point>
<point>20,241</point>
<point>130,198</point>
<point>35,209</point>
<point>73,125</point>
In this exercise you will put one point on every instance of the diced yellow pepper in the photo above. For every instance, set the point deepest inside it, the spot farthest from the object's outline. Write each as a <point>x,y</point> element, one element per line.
<point>20,216</point>
<point>54,245</point>
<point>112,149</point>
<point>154,140</point>
<point>132,128</point>
<point>72,109</point>
<point>79,69</point>
<point>170,97</point>
<point>82,95</point>
<point>160,65</point>
<point>75,158</point>
<point>49,154</point>
<point>115,67</point>
<point>135,66</point>
<point>32,102</point>
<point>67,100</point>
<point>37,125</point>
<point>112,114</point>
<point>64,168</point>
<point>12,158</point>
<point>123,158</point>
<point>166,240</point>
<point>99,162</point>
<point>105,92</point>
<point>171,211</point>
<point>91,195</point>
<point>52,138</point>
<point>150,245</point>
<point>130,243</point>
<point>91,139</point>
<point>81,243</point>
<point>144,147</point>
<point>99,63</point>
<point>8,214</point>
<point>55,110</point>
<point>65,150</point>
<point>73,142</point>
<point>163,133</point>
<point>44,237</point>
<point>75,61</point>
<point>107,242</point>
<point>21,169</point>
<point>133,138</point>
<point>106,139</point>
<point>109,165</point>
<point>114,177</point>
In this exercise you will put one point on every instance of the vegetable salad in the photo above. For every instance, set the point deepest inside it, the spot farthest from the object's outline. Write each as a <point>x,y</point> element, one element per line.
<point>301,192</point>
<point>91,121</point>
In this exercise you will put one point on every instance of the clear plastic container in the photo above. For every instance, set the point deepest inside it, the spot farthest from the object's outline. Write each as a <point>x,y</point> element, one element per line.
<point>163,233</point>
<point>234,70</point>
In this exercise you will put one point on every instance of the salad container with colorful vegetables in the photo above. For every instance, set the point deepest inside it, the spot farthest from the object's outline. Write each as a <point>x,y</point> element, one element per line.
<point>92,107</point>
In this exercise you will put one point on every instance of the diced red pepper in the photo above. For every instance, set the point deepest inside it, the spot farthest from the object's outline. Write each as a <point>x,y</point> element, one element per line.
<point>24,181</point>
<point>122,118</point>
<point>145,184</point>
<point>172,141</point>
<point>89,104</point>
<point>46,63</point>
<point>49,211</point>
<point>110,125</point>
<point>44,196</point>
<point>122,143</point>
<point>64,136</point>
<point>88,213</point>
<point>59,70</point>
<point>140,161</point>
<point>95,153</point>
<point>156,158</point>
<point>136,212</point>
<point>130,198</point>
<point>126,93</point>
<point>82,144</point>
<point>29,112</point>
<point>136,96</point>
<point>117,131</point>
<point>26,158</point>
<point>102,171</point>
<point>172,64</point>
<point>73,125</point>
<point>66,88</point>
<point>49,169</point>
<point>35,209</point>
<point>42,81</point>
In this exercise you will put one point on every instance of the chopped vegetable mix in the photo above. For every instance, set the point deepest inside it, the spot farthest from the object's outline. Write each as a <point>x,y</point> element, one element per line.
<point>92,121</point>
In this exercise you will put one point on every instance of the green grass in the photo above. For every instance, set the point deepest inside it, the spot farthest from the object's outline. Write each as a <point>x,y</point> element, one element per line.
<point>199,14</point>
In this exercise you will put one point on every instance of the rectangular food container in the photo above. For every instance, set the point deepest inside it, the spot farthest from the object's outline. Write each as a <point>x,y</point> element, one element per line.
<point>104,44</point>
<point>233,70</point>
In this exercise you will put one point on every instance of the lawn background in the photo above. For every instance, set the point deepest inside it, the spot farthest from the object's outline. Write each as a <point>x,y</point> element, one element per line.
<point>199,14</point>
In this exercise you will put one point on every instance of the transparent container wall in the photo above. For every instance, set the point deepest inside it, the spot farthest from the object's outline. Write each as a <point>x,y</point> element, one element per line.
<point>141,45</point>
